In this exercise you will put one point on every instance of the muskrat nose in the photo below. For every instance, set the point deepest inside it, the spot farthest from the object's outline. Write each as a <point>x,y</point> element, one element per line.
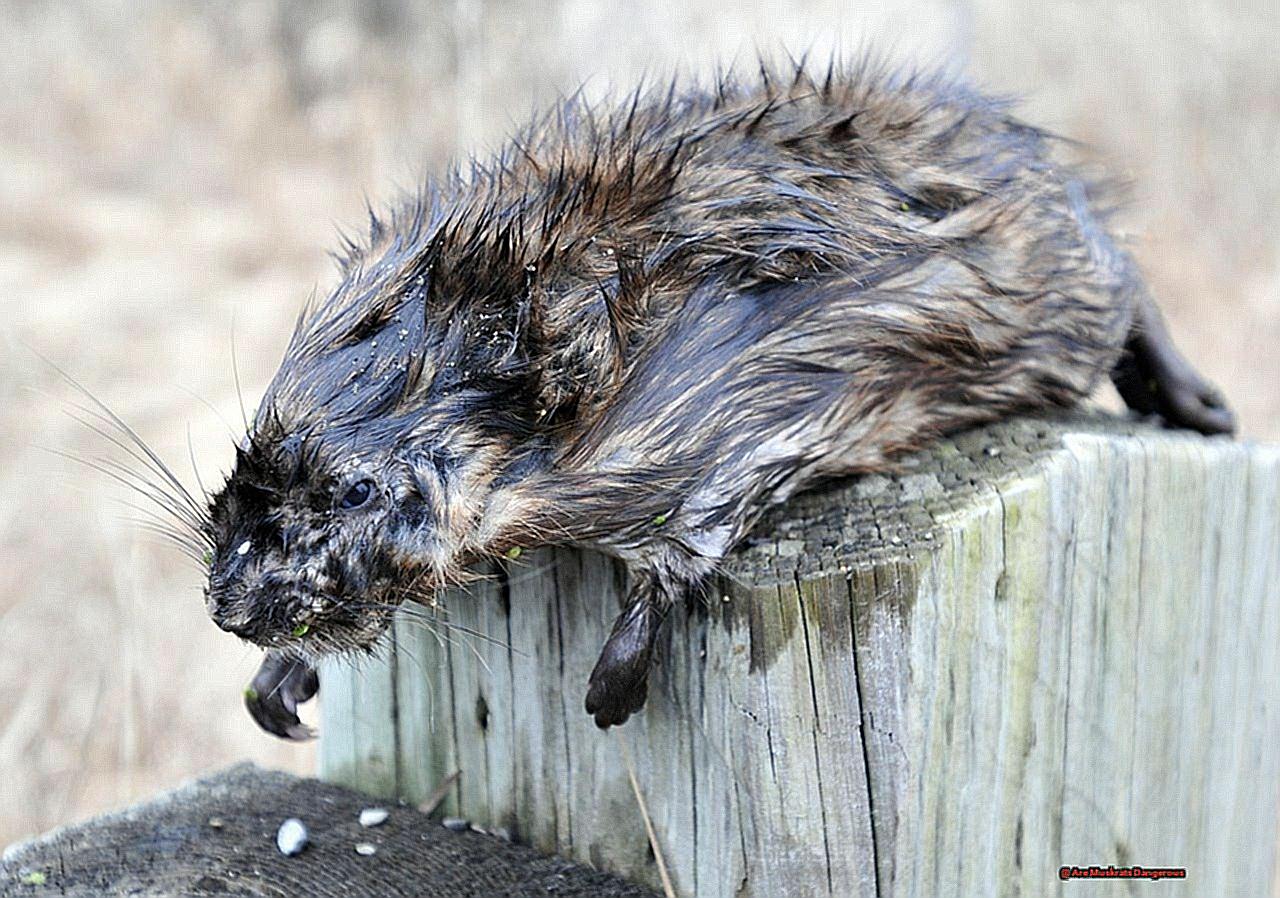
<point>241,625</point>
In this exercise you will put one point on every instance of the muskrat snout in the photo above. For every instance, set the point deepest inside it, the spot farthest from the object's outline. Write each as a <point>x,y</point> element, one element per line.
<point>296,561</point>
<point>240,625</point>
<point>274,619</point>
<point>259,618</point>
<point>264,600</point>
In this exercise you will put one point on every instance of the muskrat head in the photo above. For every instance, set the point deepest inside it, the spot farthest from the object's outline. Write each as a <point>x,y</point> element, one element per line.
<point>371,470</point>
<point>319,538</point>
<point>304,547</point>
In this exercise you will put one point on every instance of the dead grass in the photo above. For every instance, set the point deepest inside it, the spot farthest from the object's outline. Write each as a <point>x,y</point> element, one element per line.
<point>170,173</point>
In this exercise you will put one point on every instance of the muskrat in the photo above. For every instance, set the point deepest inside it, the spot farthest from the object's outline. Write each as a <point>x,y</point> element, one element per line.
<point>638,326</point>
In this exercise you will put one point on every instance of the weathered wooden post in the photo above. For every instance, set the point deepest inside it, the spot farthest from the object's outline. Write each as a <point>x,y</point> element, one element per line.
<point>1041,644</point>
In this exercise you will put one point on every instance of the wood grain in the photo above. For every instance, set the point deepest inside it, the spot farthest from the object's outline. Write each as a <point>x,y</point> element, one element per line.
<point>1039,644</point>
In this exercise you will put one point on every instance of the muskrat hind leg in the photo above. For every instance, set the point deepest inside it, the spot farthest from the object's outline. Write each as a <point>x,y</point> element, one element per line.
<point>281,684</point>
<point>619,683</point>
<point>1154,377</point>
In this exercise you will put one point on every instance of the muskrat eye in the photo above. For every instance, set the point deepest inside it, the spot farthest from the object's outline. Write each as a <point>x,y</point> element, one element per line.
<point>357,495</point>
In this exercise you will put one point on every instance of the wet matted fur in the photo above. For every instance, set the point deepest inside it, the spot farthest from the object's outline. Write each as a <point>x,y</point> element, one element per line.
<point>641,323</point>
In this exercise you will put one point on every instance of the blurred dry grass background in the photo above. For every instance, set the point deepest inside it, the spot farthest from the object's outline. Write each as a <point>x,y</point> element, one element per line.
<point>169,171</point>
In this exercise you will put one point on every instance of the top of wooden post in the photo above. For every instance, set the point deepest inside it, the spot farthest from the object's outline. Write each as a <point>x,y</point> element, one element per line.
<point>877,517</point>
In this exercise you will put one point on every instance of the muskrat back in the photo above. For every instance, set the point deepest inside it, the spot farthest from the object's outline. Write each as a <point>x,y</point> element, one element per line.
<point>640,324</point>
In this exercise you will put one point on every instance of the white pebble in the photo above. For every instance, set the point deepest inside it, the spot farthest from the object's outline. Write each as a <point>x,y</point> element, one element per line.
<point>373,816</point>
<point>457,824</point>
<point>244,548</point>
<point>291,838</point>
<point>365,848</point>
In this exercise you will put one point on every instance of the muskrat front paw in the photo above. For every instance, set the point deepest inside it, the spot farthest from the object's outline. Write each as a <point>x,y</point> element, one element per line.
<point>620,681</point>
<point>613,695</point>
<point>280,685</point>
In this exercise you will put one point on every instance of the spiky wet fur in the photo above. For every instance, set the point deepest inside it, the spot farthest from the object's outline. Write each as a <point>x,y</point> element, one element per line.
<point>639,325</point>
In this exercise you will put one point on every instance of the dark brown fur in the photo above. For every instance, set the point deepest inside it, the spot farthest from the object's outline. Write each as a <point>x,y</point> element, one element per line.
<point>639,326</point>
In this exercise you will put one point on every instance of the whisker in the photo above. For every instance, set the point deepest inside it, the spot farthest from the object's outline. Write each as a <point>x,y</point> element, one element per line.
<point>448,628</point>
<point>163,527</point>
<point>181,497</point>
<point>191,454</point>
<point>440,628</point>
<point>424,622</point>
<point>424,617</point>
<point>442,639</point>
<point>402,649</point>
<point>123,477</point>
<point>527,574</point>
<point>168,538</point>
<point>292,668</point>
<point>152,491</point>
<point>235,374</point>
<point>177,527</point>
<point>467,631</point>
<point>123,427</point>
<point>213,408</point>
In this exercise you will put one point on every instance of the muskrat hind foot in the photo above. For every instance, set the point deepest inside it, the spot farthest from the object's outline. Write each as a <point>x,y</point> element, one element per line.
<point>280,685</point>
<point>1195,404</point>
<point>1153,377</point>
<point>619,683</point>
